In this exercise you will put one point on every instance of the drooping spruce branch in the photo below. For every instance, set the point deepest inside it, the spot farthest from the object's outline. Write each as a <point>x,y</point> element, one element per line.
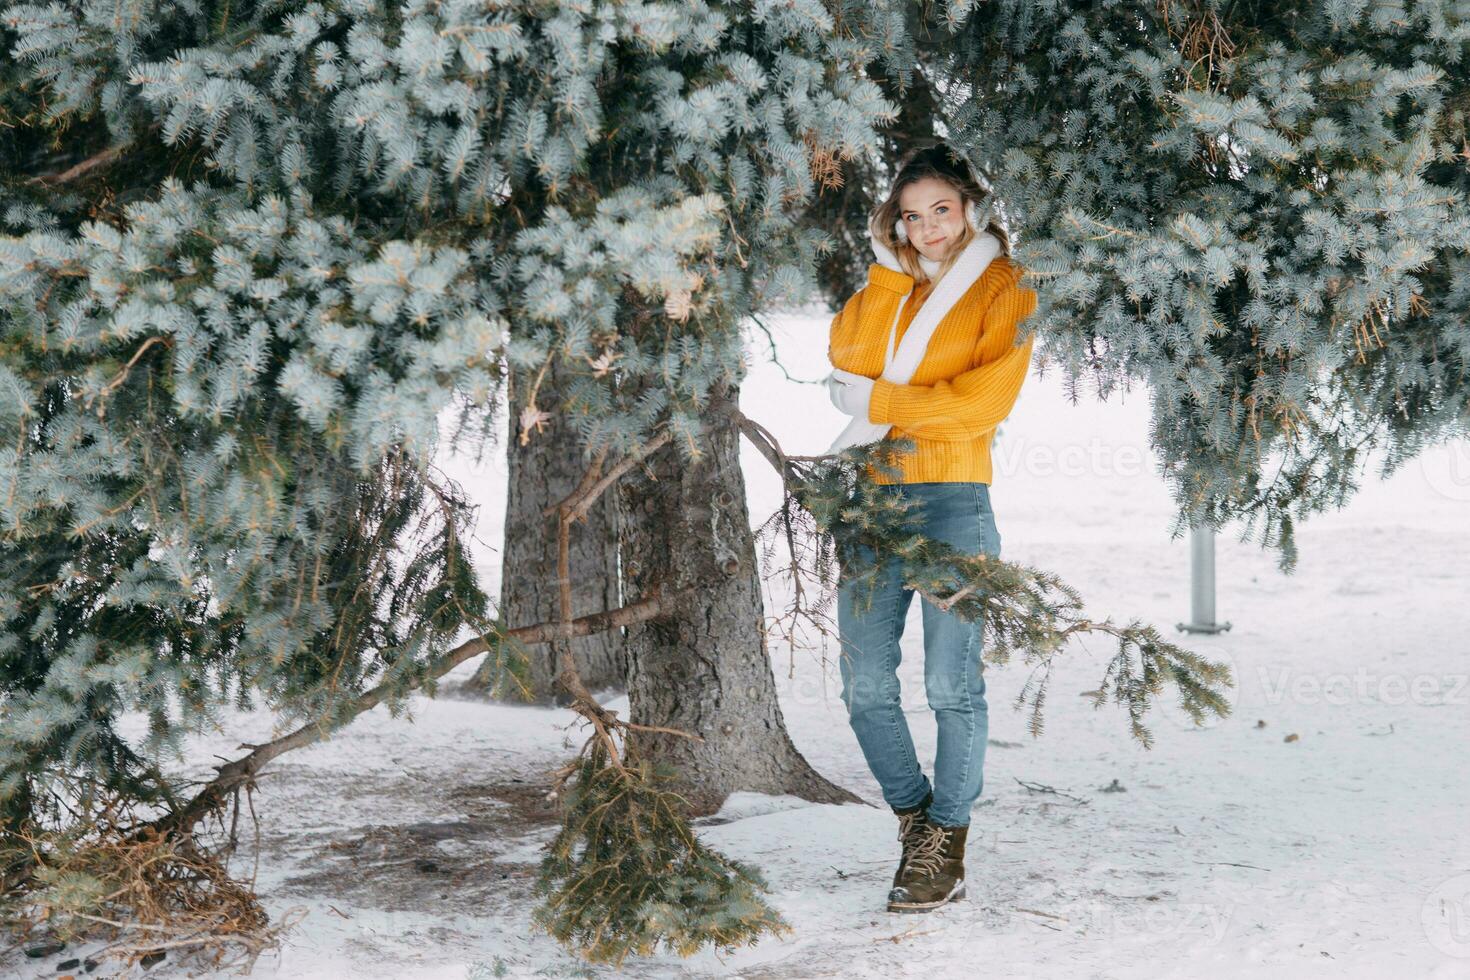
<point>831,519</point>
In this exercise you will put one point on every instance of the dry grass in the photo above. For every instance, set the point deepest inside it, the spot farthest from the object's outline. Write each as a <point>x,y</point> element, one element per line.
<point>112,879</point>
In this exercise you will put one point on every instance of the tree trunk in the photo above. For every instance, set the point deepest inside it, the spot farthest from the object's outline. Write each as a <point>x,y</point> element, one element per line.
<point>705,669</point>
<point>543,472</point>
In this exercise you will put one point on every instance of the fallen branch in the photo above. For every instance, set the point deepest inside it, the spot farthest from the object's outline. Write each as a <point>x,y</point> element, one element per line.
<point>242,772</point>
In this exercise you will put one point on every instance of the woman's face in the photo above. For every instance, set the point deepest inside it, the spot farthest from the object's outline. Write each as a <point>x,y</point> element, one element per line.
<point>933,214</point>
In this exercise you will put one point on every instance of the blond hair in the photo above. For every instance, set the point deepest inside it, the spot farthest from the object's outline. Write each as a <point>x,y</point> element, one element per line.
<point>940,161</point>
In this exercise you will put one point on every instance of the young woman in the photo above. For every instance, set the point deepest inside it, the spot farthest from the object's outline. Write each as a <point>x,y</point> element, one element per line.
<point>927,350</point>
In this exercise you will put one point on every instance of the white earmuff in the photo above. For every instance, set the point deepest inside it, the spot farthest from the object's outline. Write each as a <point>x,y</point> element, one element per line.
<point>899,231</point>
<point>973,216</point>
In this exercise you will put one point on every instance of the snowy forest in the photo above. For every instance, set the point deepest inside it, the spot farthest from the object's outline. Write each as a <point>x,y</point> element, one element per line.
<point>421,551</point>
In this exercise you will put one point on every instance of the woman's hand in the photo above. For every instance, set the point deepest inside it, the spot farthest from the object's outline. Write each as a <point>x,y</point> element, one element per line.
<point>850,392</point>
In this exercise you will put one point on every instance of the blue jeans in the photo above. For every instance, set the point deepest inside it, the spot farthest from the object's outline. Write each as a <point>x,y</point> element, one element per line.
<point>959,514</point>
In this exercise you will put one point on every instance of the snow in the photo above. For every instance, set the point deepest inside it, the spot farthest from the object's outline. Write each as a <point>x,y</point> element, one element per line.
<point>1231,852</point>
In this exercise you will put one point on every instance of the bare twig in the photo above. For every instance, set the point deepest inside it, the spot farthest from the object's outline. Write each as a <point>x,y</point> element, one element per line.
<point>1042,788</point>
<point>122,375</point>
<point>575,508</point>
<point>72,173</point>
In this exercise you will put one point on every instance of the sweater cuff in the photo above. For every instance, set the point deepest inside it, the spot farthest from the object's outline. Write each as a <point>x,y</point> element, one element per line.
<point>885,278</point>
<point>880,403</point>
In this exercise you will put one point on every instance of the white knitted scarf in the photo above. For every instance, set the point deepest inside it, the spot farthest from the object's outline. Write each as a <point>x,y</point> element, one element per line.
<point>899,366</point>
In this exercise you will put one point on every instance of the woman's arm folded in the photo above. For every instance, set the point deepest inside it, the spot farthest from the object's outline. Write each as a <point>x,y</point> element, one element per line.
<point>968,404</point>
<point>876,302</point>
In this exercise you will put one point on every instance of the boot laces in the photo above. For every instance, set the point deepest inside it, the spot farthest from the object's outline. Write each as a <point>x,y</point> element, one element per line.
<point>908,823</point>
<point>928,852</point>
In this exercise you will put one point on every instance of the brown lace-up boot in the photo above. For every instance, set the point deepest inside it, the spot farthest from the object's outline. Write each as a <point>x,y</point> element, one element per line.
<point>911,821</point>
<point>935,871</point>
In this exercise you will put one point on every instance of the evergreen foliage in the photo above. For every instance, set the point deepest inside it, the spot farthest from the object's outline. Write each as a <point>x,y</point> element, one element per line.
<point>626,873</point>
<point>259,251</point>
<point>250,255</point>
<point>834,526</point>
<point>1261,210</point>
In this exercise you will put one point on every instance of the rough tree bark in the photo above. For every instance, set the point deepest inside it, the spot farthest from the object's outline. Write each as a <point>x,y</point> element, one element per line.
<point>542,472</point>
<point>705,668</point>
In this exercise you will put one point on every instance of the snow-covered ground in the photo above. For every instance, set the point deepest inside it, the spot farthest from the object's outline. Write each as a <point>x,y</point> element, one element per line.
<point>1231,852</point>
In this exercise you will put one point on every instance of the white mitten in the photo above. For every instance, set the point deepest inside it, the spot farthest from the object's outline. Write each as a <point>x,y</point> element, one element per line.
<point>850,392</point>
<point>833,387</point>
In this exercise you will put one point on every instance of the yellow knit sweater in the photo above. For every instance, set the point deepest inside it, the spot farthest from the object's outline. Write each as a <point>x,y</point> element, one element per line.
<point>965,385</point>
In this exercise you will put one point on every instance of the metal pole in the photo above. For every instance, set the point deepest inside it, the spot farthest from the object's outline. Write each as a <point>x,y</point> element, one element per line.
<point>1202,583</point>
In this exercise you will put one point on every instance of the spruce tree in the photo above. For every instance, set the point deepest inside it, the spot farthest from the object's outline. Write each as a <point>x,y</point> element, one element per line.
<point>253,255</point>
<point>1259,210</point>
